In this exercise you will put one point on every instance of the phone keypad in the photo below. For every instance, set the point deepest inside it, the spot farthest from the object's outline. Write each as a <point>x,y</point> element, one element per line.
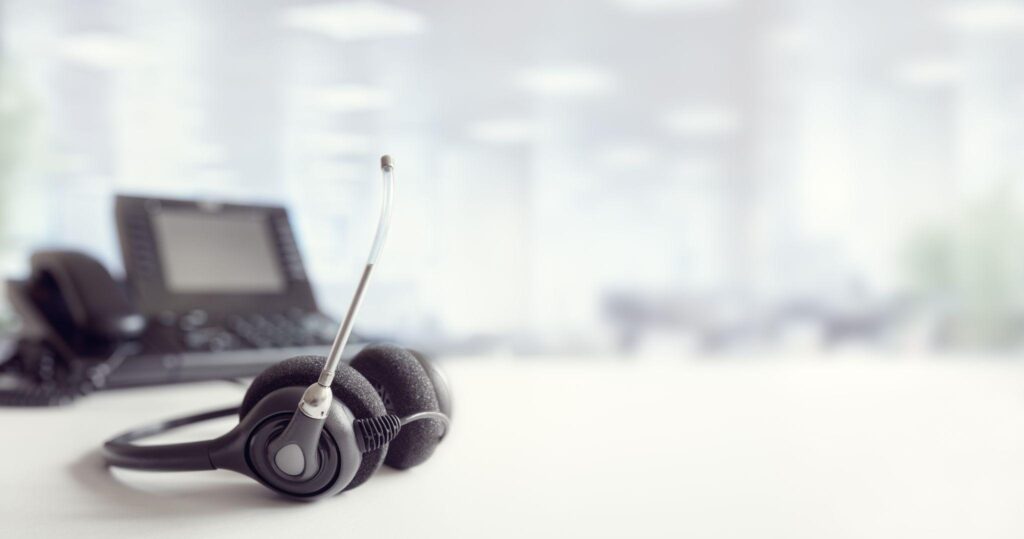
<point>255,330</point>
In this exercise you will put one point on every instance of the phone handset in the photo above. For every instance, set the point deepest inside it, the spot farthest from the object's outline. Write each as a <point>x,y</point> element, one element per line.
<point>71,309</point>
<point>81,300</point>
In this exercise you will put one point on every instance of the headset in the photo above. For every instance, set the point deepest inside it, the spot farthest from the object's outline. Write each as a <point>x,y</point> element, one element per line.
<point>388,406</point>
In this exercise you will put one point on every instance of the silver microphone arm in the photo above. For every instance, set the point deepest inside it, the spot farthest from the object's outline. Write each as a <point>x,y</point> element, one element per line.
<point>341,339</point>
<point>319,399</point>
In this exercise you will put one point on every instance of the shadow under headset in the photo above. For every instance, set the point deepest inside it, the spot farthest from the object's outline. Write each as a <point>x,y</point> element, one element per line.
<point>388,406</point>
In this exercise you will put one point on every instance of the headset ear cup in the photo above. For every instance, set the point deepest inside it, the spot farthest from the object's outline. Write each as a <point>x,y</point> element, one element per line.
<point>406,388</point>
<point>349,387</point>
<point>442,390</point>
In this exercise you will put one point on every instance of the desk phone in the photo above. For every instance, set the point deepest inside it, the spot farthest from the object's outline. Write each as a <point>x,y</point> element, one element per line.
<point>211,290</point>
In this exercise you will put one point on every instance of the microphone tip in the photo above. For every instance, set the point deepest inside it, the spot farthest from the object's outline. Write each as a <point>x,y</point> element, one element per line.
<point>385,161</point>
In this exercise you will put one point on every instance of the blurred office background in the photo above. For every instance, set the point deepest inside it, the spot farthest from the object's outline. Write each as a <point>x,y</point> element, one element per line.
<point>618,177</point>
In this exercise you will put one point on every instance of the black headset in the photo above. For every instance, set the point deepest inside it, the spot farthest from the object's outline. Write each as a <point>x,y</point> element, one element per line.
<point>388,406</point>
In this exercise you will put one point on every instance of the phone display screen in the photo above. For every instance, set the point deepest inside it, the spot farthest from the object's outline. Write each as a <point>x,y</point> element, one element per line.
<point>223,252</point>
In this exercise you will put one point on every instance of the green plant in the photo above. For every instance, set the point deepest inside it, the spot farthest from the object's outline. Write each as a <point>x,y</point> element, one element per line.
<point>18,129</point>
<point>974,266</point>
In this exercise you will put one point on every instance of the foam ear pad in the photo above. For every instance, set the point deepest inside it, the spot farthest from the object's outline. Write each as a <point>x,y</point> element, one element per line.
<point>406,389</point>
<point>439,381</point>
<point>349,387</point>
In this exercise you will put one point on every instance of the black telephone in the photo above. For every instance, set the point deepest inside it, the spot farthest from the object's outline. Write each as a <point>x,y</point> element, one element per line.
<point>82,304</point>
<point>211,290</point>
<point>73,312</point>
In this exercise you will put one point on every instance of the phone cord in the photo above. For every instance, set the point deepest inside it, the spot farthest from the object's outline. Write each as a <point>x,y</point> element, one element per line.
<point>51,389</point>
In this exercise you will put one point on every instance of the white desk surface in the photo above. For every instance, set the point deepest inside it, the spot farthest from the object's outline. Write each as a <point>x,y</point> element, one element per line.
<point>836,448</point>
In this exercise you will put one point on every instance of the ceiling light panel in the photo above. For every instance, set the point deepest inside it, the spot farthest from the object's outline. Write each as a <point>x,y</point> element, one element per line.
<point>565,81</point>
<point>702,121</point>
<point>351,21</point>
<point>348,97</point>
